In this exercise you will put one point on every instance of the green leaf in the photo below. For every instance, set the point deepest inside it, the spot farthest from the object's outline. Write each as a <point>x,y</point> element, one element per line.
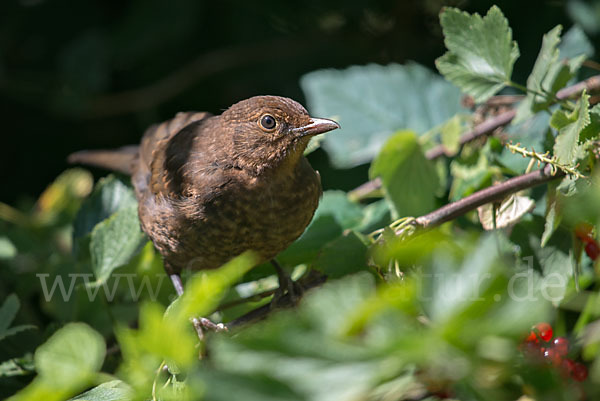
<point>549,75</point>
<point>8,311</point>
<point>115,241</point>
<point>567,148</point>
<point>481,52</point>
<point>372,102</point>
<point>334,214</point>
<point>410,180</point>
<point>346,254</point>
<point>575,43</point>
<point>450,135</point>
<point>64,195</point>
<point>346,213</point>
<point>591,131</point>
<point>7,249</point>
<point>114,390</point>
<point>71,357</point>
<point>110,195</point>
<point>159,337</point>
<point>553,216</point>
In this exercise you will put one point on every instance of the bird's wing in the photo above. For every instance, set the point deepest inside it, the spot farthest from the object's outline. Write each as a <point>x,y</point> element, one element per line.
<point>153,145</point>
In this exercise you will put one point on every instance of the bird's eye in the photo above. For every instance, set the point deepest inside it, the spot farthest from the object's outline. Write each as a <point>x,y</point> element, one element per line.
<point>268,122</point>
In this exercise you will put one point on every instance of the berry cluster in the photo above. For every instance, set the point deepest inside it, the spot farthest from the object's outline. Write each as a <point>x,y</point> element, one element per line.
<point>540,346</point>
<point>584,232</point>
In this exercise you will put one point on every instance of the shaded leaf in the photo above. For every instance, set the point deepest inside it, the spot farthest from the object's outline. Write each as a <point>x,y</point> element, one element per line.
<point>115,241</point>
<point>372,102</point>
<point>110,195</point>
<point>344,255</point>
<point>8,311</point>
<point>409,179</point>
<point>481,52</point>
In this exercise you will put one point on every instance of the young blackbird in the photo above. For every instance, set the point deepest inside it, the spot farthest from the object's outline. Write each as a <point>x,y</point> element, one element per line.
<point>211,187</point>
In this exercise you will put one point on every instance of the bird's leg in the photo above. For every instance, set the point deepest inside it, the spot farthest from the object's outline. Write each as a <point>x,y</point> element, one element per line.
<point>286,284</point>
<point>200,323</point>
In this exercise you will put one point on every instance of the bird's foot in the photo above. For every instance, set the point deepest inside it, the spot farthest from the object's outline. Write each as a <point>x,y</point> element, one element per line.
<point>201,324</point>
<point>288,287</point>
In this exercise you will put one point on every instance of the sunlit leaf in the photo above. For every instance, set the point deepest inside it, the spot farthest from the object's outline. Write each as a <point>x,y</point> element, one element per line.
<point>481,52</point>
<point>567,148</point>
<point>372,102</point>
<point>409,179</point>
<point>114,390</point>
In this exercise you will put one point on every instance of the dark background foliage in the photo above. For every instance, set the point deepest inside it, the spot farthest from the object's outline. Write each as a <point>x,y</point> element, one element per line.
<point>94,74</point>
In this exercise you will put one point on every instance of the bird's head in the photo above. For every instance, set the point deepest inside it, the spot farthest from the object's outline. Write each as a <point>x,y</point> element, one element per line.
<point>271,131</point>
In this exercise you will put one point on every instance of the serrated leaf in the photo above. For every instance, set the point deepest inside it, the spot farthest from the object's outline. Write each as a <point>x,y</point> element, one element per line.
<point>591,131</point>
<point>551,72</point>
<point>567,148</point>
<point>538,79</point>
<point>481,52</point>
<point>372,102</point>
<point>410,180</point>
<point>114,390</point>
<point>115,241</point>
<point>71,356</point>
<point>509,212</point>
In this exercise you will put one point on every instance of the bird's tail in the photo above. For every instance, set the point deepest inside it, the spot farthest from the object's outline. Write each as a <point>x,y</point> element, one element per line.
<point>120,160</point>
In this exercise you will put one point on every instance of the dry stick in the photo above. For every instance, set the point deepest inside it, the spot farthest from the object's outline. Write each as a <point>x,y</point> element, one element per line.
<point>485,128</point>
<point>487,195</point>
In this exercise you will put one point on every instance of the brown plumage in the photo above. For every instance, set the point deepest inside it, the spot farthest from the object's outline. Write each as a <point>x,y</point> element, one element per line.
<point>212,187</point>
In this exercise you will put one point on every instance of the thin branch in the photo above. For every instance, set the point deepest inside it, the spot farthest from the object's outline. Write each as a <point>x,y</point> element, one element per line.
<point>485,128</point>
<point>488,195</point>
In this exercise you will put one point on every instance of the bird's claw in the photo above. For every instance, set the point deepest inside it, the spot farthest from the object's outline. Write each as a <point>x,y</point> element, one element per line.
<point>202,323</point>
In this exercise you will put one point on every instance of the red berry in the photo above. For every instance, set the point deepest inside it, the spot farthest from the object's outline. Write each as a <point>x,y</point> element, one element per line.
<point>532,338</point>
<point>592,249</point>
<point>566,367</point>
<point>551,356</point>
<point>561,346</point>
<point>584,231</point>
<point>579,372</point>
<point>544,331</point>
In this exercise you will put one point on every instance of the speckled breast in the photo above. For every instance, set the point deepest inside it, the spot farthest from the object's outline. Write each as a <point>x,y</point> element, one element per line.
<point>265,215</point>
